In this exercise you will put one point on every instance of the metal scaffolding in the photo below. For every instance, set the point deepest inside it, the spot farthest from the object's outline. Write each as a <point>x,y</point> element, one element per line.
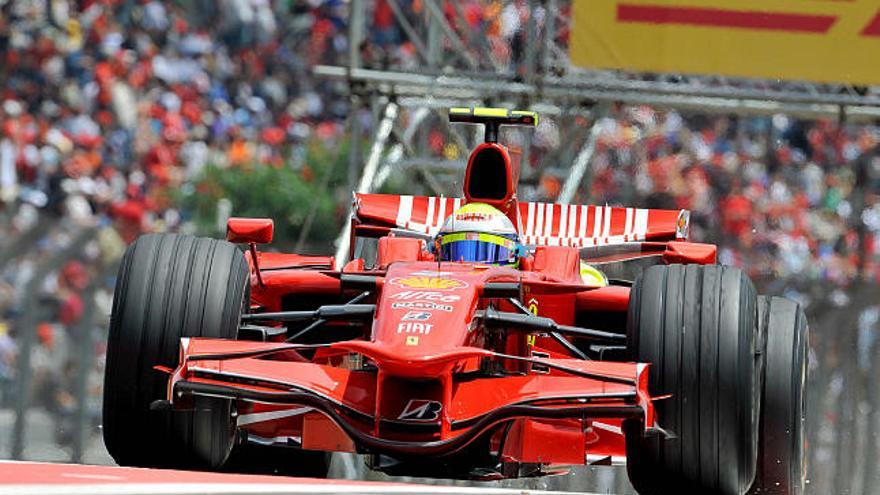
<point>457,65</point>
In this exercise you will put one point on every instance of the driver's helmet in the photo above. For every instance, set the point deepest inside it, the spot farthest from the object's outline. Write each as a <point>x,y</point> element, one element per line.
<point>478,233</point>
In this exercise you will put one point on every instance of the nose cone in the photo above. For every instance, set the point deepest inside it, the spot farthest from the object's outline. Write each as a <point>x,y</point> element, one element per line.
<point>424,311</point>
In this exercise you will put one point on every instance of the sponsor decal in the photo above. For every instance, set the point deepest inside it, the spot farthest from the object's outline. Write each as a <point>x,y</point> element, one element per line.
<point>425,296</point>
<point>417,316</point>
<point>464,217</point>
<point>410,327</point>
<point>682,224</point>
<point>429,306</point>
<point>421,410</point>
<point>412,340</point>
<point>533,306</point>
<point>432,273</point>
<point>434,283</point>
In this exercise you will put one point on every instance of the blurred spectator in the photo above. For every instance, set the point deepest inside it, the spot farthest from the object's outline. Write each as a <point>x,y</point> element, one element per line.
<point>8,350</point>
<point>778,195</point>
<point>108,108</point>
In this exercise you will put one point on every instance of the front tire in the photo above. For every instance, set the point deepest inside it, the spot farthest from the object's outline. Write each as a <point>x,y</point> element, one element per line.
<point>169,286</point>
<point>695,325</point>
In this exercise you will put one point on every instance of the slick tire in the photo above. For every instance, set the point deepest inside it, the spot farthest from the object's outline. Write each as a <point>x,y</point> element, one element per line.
<point>781,460</point>
<point>696,326</point>
<point>169,286</point>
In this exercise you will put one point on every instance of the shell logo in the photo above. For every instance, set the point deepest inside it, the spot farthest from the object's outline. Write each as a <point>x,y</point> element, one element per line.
<point>435,283</point>
<point>682,224</point>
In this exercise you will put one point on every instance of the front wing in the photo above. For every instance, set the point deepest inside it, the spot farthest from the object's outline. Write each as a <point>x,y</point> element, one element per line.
<point>563,411</point>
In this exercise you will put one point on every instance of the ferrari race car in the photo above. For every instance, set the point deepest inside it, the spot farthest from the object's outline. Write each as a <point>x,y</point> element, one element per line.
<point>477,337</point>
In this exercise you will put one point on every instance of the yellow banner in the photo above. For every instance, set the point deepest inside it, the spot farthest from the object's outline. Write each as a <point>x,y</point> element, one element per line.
<point>808,40</point>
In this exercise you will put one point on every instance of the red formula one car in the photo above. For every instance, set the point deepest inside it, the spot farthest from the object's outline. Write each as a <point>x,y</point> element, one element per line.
<point>574,335</point>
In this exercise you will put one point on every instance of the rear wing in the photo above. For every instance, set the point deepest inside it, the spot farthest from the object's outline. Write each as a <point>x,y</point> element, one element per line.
<point>540,224</point>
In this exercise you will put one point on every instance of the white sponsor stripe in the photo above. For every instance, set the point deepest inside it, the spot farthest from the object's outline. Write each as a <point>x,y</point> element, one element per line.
<point>627,229</point>
<point>548,220</point>
<point>641,227</point>
<point>404,211</point>
<point>606,230</point>
<point>574,225</point>
<point>572,221</point>
<point>539,221</point>
<point>530,220</point>
<point>456,204</point>
<point>563,220</point>
<point>247,419</point>
<point>582,227</point>
<point>429,218</point>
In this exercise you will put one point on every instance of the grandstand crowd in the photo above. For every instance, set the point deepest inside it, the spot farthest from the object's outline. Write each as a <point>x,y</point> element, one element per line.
<point>109,106</point>
<point>783,198</point>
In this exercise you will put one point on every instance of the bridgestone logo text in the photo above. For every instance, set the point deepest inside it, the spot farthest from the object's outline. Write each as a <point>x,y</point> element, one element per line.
<point>421,410</point>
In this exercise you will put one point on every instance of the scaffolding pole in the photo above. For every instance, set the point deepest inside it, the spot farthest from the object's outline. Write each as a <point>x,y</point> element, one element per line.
<point>582,161</point>
<point>365,184</point>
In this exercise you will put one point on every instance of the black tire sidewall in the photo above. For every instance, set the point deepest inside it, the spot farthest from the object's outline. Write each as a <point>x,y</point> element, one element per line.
<point>169,286</point>
<point>696,326</point>
<point>781,466</point>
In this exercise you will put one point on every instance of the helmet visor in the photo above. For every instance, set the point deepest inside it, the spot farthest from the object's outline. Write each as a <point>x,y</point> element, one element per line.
<point>477,247</point>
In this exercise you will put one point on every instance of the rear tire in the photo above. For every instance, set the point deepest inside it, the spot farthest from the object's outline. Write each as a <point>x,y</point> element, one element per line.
<point>169,286</point>
<point>696,326</point>
<point>781,460</point>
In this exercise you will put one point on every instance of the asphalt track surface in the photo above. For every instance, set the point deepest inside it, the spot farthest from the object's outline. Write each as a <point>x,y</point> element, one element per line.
<point>37,478</point>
